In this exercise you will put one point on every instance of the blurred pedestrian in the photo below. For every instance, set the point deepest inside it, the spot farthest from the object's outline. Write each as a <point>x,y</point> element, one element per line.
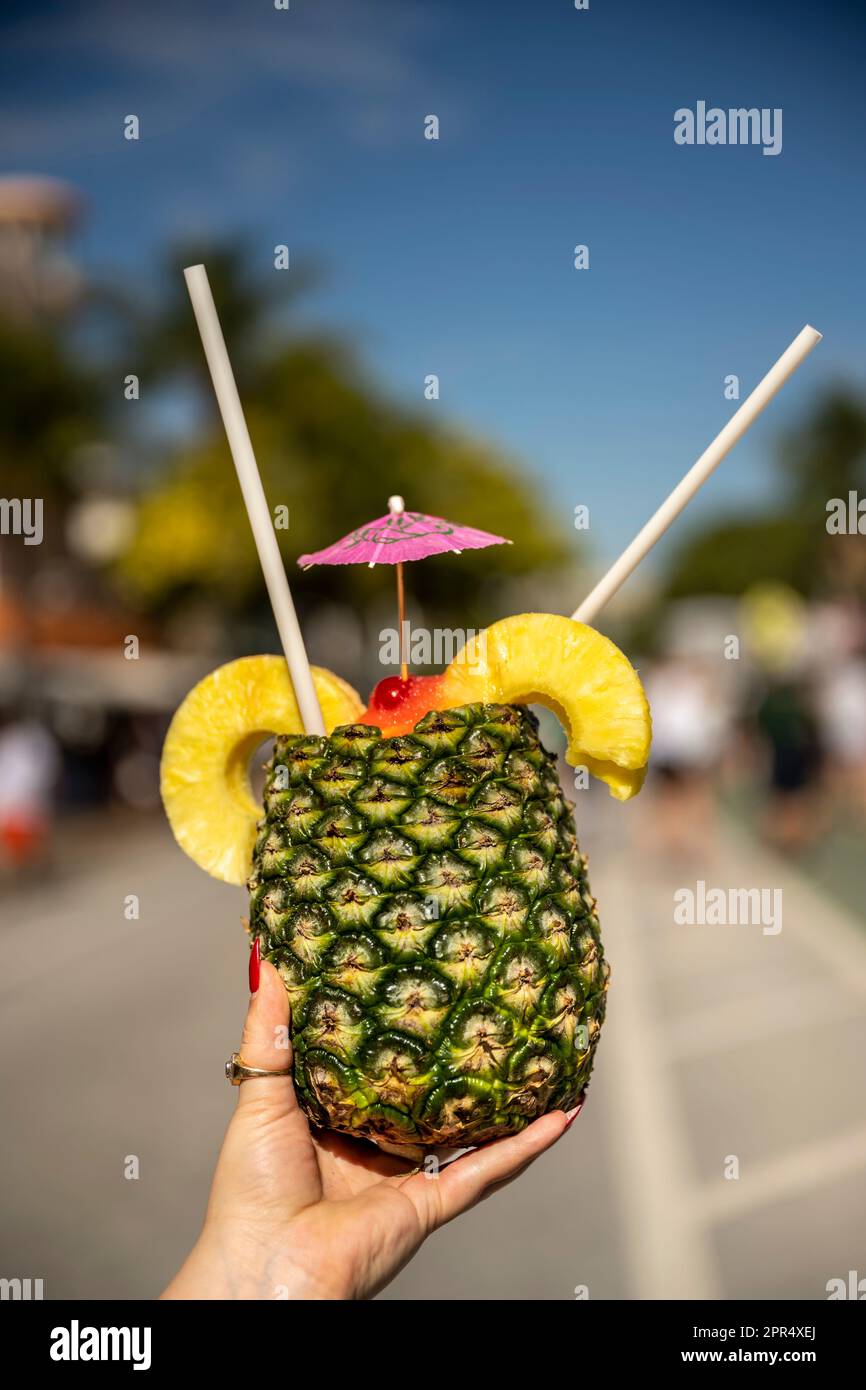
<point>690,726</point>
<point>842,715</point>
<point>29,765</point>
<point>787,721</point>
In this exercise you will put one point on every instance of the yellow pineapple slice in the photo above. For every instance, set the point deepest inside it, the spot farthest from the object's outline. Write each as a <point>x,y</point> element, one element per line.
<point>204,774</point>
<point>595,692</point>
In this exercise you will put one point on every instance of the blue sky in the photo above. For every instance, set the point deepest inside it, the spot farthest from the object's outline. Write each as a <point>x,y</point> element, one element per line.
<point>455,257</point>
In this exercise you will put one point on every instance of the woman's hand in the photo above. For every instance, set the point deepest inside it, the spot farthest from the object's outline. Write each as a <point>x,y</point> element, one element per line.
<point>295,1213</point>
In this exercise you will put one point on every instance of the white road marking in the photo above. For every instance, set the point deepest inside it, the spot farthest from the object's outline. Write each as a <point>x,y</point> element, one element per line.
<point>752,1017</point>
<point>828,930</point>
<point>668,1254</point>
<point>801,1170</point>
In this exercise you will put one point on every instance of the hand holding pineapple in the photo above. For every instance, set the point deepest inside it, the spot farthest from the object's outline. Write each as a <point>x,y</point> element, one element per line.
<point>295,1214</point>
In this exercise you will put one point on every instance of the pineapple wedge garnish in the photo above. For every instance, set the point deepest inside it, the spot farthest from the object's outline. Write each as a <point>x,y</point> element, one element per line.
<point>532,658</point>
<point>204,774</point>
<point>595,692</point>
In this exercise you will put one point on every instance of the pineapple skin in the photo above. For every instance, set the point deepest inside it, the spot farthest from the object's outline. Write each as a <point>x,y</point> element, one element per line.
<point>427,906</point>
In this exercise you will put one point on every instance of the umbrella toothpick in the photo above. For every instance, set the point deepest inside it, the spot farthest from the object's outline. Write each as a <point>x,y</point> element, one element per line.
<point>395,506</point>
<point>401,615</point>
<point>394,538</point>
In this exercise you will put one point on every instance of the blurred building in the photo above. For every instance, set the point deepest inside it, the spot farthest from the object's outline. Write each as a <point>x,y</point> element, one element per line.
<point>37,274</point>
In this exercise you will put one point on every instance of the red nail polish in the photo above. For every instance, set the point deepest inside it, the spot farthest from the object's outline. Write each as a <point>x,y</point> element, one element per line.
<point>571,1115</point>
<point>255,962</point>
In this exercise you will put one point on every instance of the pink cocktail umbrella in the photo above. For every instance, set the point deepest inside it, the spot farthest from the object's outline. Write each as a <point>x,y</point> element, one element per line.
<point>395,538</point>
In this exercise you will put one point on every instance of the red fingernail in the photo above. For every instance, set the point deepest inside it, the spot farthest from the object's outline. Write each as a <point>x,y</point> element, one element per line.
<point>571,1115</point>
<point>255,962</point>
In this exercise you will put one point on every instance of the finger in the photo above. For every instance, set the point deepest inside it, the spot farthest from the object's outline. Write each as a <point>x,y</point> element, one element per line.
<point>570,1117</point>
<point>266,1043</point>
<point>267,1167</point>
<point>465,1181</point>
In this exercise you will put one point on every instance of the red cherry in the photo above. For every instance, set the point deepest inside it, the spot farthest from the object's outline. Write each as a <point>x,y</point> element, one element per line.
<point>396,705</point>
<point>392,691</point>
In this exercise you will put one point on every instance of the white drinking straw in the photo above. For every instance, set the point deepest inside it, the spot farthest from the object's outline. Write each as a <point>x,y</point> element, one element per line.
<point>261,522</point>
<point>799,350</point>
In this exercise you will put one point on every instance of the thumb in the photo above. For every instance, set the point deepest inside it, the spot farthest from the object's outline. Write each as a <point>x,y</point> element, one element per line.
<point>266,1041</point>
<point>267,1163</point>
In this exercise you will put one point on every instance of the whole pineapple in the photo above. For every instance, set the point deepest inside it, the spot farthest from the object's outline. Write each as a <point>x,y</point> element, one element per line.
<point>427,906</point>
<point>422,894</point>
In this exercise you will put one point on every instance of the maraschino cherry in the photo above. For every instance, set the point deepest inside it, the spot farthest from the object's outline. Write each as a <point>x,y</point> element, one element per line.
<point>393,691</point>
<point>398,702</point>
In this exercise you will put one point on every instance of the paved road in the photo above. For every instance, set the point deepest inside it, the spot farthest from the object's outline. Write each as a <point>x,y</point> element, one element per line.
<point>723,1047</point>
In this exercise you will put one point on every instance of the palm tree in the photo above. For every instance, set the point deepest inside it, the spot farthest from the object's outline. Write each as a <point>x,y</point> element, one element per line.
<point>331,449</point>
<point>251,306</point>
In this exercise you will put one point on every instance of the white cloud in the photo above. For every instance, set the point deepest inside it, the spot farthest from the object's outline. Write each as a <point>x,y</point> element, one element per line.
<point>172,64</point>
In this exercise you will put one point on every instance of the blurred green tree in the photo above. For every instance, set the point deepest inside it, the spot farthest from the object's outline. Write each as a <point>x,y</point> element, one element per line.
<point>824,458</point>
<point>733,553</point>
<point>49,405</point>
<point>331,450</point>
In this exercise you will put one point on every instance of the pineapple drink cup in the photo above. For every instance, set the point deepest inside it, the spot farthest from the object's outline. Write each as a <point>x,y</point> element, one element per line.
<point>415,875</point>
